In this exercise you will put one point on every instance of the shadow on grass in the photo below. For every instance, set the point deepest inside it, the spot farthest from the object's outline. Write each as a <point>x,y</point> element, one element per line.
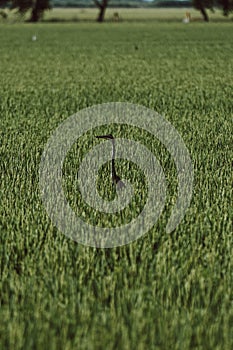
<point>135,20</point>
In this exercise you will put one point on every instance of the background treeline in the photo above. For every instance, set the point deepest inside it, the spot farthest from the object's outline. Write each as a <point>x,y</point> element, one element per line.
<point>123,3</point>
<point>37,7</point>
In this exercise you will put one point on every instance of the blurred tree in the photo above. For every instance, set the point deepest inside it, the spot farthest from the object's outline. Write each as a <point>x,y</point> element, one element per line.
<point>202,6</point>
<point>37,8</point>
<point>227,6</point>
<point>4,3</point>
<point>102,5</point>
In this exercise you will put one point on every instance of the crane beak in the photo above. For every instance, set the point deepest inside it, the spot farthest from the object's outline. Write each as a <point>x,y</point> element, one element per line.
<point>106,137</point>
<point>101,137</point>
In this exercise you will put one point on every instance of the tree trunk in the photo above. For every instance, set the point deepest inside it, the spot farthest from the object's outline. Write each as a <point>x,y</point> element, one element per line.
<point>226,7</point>
<point>101,15</point>
<point>225,11</point>
<point>35,15</point>
<point>102,5</point>
<point>204,14</point>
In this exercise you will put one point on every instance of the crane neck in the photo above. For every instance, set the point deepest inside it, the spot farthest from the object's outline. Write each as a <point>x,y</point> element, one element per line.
<point>113,158</point>
<point>113,149</point>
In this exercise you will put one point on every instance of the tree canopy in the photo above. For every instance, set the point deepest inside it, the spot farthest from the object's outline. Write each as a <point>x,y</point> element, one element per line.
<point>37,7</point>
<point>203,5</point>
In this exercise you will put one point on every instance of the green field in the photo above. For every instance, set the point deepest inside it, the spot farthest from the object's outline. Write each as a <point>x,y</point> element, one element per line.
<point>163,291</point>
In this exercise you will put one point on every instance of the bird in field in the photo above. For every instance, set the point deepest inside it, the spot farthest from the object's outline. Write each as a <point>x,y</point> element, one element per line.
<point>116,180</point>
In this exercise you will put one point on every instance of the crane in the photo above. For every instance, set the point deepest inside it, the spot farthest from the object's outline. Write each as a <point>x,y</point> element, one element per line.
<point>116,180</point>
